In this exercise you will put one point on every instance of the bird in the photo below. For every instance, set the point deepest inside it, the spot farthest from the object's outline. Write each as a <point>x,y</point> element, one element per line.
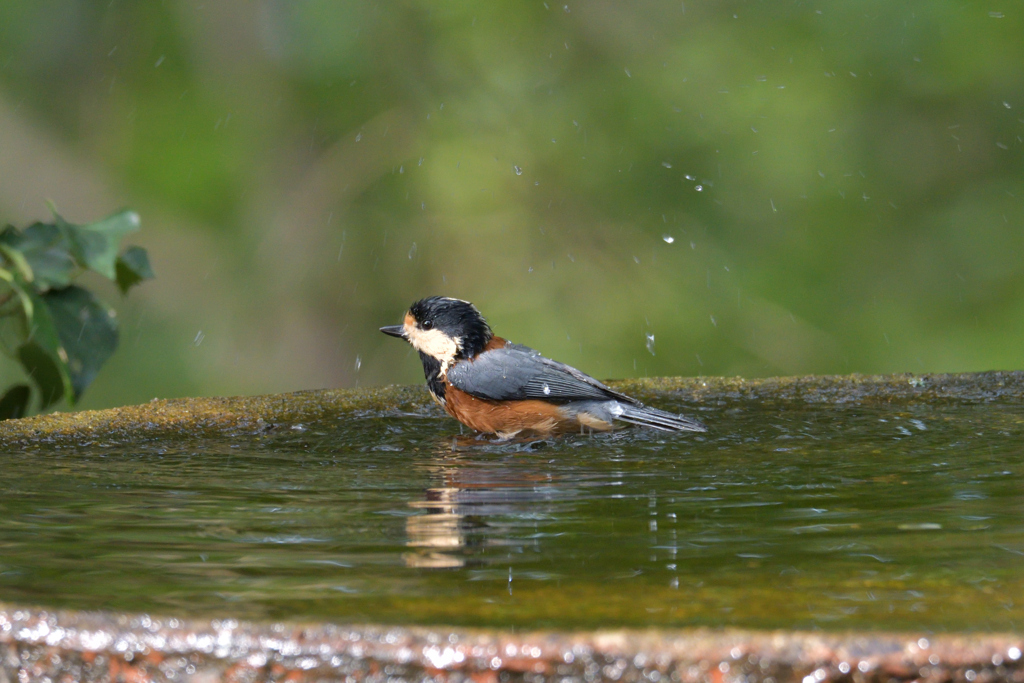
<point>496,387</point>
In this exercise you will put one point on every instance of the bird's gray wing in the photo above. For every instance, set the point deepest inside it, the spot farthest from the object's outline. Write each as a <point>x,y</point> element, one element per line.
<point>516,372</point>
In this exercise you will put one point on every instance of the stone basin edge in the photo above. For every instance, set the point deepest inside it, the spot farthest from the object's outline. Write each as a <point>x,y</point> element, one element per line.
<point>261,413</point>
<point>38,644</point>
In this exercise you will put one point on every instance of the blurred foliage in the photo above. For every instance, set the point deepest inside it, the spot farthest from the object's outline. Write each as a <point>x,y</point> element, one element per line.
<point>60,332</point>
<point>764,188</point>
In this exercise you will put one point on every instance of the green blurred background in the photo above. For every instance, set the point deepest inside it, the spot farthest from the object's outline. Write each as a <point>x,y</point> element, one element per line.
<point>635,188</point>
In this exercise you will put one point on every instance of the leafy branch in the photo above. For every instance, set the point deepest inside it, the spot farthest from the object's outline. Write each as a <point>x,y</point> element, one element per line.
<point>62,334</point>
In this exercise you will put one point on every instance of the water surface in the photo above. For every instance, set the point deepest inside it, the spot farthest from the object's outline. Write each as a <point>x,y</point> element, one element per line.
<point>786,514</point>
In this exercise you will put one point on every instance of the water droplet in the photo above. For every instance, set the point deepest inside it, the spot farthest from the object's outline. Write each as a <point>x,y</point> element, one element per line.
<point>359,136</point>
<point>1007,105</point>
<point>713,321</point>
<point>996,15</point>
<point>699,188</point>
<point>690,178</point>
<point>199,338</point>
<point>650,343</point>
<point>547,390</point>
<point>666,164</point>
<point>518,170</point>
<point>628,75</point>
<point>669,239</point>
<point>359,363</point>
<point>412,251</point>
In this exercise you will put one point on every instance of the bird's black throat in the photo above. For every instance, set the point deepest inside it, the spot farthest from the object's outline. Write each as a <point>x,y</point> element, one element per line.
<point>432,373</point>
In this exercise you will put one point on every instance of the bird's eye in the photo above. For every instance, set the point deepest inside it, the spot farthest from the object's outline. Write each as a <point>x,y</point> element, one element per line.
<point>427,324</point>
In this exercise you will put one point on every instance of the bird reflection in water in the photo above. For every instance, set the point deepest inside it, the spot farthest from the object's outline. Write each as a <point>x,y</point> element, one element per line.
<point>480,503</point>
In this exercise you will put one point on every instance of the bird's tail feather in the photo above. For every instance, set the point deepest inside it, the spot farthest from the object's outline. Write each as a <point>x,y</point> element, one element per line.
<point>659,419</point>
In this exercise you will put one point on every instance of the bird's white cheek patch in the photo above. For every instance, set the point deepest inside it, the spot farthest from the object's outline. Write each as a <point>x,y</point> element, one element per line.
<point>434,343</point>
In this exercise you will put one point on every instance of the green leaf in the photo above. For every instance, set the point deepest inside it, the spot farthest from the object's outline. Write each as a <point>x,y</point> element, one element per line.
<point>69,334</point>
<point>95,245</point>
<point>47,371</point>
<point>14,403</point>
<point>18,260</point>
<point>132,268</point>
<point>20,289</point>
<point>46,250</point>
<point>43,356</point>
<point>87,330</point>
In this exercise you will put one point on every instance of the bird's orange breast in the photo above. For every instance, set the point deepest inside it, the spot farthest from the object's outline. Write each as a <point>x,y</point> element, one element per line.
<point>505,417</point>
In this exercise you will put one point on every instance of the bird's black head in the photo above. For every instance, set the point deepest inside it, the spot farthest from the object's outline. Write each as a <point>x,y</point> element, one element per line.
<point>444,329</point>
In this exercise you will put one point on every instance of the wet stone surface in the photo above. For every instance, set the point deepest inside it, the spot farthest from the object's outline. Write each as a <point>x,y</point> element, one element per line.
<point>838,509</point>
<point>37,645</point>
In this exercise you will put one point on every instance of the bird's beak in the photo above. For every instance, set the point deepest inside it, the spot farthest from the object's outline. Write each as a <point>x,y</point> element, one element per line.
<point>394,331</point>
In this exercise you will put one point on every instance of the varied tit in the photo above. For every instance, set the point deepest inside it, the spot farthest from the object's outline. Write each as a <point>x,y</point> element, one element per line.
<point>497,387</point>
